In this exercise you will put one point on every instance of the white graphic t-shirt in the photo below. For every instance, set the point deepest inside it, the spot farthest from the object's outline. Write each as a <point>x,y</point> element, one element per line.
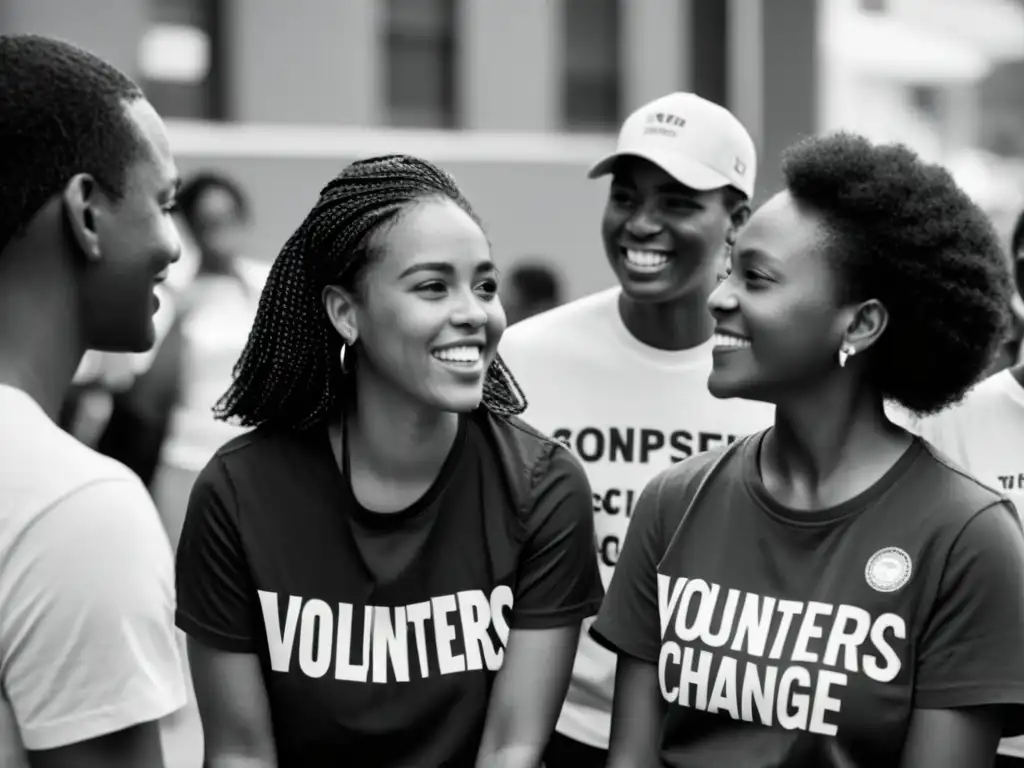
<point>627,411</point>
<point>984,434</point>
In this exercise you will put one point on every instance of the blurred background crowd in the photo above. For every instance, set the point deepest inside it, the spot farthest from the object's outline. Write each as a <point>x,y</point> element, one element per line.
<point>266,100</point>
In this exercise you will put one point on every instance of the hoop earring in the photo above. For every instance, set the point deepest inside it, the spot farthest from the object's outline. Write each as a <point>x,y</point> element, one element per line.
<point>341,357</point>
<point>845,353</point>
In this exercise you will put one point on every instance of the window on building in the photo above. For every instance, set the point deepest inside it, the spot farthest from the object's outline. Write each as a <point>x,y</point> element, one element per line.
<point>591,83</point>
<point>421,58</point>
<point>709,49</point>
<point>181,59</point>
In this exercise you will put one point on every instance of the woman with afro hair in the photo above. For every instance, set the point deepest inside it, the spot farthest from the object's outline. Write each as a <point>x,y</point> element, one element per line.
<point>831,592</point>
<point>390,569</point>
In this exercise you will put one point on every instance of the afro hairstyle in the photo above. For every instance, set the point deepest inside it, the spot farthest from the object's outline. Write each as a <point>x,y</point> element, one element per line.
<point>904,233</point>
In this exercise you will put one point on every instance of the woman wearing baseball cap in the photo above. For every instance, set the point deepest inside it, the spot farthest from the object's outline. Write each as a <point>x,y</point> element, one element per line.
<point>621,376</point>
<point>832,592</point>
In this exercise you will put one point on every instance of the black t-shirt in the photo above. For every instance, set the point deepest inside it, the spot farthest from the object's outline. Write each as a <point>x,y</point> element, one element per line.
<point>380,635</point>
<point>788,639</point>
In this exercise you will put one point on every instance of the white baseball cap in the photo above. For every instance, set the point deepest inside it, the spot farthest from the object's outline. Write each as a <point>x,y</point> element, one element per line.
<point>697,142</point>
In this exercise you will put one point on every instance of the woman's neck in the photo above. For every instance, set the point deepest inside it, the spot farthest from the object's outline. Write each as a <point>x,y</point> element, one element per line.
<point>396,437</point>
<point>830,444</point>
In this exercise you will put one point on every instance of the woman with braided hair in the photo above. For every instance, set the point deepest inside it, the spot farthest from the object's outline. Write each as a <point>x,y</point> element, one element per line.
<point>383,572</point>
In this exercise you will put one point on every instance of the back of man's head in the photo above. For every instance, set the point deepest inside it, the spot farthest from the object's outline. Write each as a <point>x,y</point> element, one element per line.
<point>62,113</point>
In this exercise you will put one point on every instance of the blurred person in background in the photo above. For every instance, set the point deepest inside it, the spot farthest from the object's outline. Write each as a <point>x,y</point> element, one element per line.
<point>90,673</point>
<point>529,289</point>
<point>984,433</point>
<point>216,308</point>
<point>621,376</point>
<point>1017,256</point>
<point>390,569</point>
<point>832,592</point>
<point>1012,350</point>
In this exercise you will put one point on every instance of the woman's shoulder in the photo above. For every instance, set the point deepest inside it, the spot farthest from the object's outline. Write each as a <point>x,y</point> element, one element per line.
<point>948,491</point>
<point>526,445</point>
<point>685,478</point>
<point>530,459</point>
<point>259,452</point>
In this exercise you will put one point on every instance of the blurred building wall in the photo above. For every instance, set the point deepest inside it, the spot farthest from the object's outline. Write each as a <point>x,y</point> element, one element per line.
<point>913,70</point>
<point>302,61</point>
<point>111,28</point>
<point>556,73</point>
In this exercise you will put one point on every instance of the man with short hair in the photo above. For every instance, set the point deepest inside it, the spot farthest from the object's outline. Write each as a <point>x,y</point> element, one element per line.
<point>621,376</point>
<point>89,665</point>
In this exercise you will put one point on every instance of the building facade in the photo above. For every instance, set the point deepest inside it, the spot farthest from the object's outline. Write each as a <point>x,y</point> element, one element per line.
<point>515,97</point>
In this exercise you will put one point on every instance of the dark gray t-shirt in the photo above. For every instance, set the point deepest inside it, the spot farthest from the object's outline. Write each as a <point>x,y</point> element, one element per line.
<point>805,640</point>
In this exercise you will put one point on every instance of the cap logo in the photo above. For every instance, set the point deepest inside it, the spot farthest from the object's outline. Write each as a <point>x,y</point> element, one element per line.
<point>666,118</point>
<point>740,167</point>
<point>888,570</point>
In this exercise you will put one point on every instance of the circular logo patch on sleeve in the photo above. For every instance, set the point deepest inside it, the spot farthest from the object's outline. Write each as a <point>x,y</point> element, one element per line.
<point>888,569</point>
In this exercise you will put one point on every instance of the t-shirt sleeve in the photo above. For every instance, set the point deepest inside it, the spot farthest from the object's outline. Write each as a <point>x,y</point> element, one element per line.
<point>628,621</point>
<point>972,647</point>
<point>87,618</point>
<point>558,581</point>
<point>216,595</point>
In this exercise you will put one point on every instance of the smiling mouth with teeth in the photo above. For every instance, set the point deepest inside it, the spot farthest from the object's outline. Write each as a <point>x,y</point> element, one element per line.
<point>646,260</point>
<point>730,342</point>
<point>466,355</point>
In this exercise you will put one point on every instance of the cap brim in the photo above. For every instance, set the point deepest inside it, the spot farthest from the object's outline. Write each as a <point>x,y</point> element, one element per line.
<point>688,172</point>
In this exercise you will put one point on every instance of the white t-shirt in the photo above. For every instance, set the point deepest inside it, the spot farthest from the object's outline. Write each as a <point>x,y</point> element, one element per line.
<point>984,434</point>
<point>87,640</point>
<point>627,411</point>
<point>216,329</point>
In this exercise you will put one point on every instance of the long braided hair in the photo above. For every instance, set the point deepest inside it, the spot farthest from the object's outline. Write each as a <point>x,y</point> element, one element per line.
<point>289,373</point>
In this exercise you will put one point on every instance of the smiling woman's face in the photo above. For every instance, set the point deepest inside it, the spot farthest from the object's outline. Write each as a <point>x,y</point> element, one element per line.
<point>781,297</point>
<point>428,316</point>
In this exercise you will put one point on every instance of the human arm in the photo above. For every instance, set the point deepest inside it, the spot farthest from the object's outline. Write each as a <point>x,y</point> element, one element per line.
<point>233,706</point>
<point>215,608</point>
<point>637,712</point>
<point>527,696</point>
<point>969,686</point>
<point>128,748</point>
<point>948,738</point>
<point>558,585</point>
<point>90,662</point>
<point>628,625</point>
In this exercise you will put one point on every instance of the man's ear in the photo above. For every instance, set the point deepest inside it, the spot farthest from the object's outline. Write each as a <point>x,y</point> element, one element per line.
<point>340,306</point>
<point>79,202</point>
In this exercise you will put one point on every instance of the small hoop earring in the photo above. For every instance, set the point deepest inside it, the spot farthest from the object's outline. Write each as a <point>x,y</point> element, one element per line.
<point>845,353</point>
<point>341,357</point>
